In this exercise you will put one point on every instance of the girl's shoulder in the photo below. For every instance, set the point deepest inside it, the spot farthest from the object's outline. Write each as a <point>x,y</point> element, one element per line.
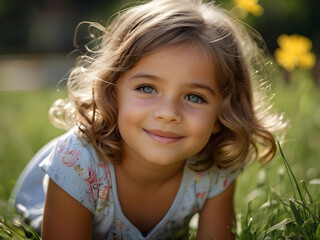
<point>74,165</point>
<point>210,183</point>
<point>70,150</point>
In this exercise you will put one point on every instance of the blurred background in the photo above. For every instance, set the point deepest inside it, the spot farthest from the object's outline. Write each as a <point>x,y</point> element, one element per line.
<point>36,52</point>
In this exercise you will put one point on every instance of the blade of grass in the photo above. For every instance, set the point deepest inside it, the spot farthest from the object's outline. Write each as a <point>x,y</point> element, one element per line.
<point>292,178</point>
<point>317,234</point>
<point>277,226</point>
<point>307,191</point>
<point>296,213</point>
<point>7,233</point>
<point>299,219</point>
<point>18,222</point>
<point>305,207</point>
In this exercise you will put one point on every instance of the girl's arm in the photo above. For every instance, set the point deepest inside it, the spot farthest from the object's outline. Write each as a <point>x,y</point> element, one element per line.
<point>64,217</point>
<point>215,218</point>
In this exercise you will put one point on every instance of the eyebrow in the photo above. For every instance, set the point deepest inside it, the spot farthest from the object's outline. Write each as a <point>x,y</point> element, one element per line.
<point>145,75</point>
<point>203,86</point>
<point>192,85</point>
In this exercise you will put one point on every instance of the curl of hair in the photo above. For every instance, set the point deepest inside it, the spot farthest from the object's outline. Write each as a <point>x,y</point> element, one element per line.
<point>246,124</point>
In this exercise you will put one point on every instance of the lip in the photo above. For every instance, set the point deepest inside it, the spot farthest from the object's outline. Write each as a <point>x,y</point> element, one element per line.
<point>163,136</point>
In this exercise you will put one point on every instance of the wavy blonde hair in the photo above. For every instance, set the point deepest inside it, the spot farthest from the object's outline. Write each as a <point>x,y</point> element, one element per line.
<point>246,125</point>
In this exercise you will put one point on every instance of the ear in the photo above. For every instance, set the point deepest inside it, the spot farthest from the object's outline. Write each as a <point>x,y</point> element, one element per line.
<point>217,127</point>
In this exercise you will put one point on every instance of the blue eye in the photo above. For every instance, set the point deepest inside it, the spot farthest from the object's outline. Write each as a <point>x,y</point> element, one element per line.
<point>146,89</point>
<point>194,98</point>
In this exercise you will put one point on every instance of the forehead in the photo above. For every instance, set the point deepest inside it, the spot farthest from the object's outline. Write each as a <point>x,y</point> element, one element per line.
<point>183,54</point>
<point>186,53</point>
<point>186,61</point>
<point>192,46</point>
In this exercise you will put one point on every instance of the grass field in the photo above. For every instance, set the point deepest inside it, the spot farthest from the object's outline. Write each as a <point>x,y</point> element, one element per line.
<point>25,127</point>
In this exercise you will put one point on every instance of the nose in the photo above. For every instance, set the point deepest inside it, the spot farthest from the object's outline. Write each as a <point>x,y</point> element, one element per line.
<point>168,111</point>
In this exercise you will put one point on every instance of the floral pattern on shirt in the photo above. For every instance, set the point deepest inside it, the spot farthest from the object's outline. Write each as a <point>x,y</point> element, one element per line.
<point>76,168</point>
<point>69,156</point>
<point>70,153</point>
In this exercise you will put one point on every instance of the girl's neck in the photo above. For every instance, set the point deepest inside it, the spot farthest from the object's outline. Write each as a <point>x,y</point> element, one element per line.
<point>146,174</point>
<point>146,191</point>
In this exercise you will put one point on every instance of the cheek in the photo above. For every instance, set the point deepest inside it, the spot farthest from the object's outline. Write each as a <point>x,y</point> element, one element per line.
<point>130,101</point>
<point>203,121</point>
<point>132,111</point>
<point>201,130</point>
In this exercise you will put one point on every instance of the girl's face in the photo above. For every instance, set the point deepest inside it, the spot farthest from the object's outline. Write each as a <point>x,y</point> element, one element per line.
<point>168,105</point>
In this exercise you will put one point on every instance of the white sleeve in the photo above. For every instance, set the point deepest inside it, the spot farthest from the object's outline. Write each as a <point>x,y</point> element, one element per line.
<point>73,168</point>
<point>220,180</point>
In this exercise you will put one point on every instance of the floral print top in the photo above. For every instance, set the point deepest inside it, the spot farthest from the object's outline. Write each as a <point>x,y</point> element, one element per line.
<point>75,167</point>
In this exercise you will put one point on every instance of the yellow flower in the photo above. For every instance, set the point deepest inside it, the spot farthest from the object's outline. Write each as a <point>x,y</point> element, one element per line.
<point>251,6</point>
<point>294,52</point>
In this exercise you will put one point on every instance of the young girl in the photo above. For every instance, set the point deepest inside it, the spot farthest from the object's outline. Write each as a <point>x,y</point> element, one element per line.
<point>162,119</point>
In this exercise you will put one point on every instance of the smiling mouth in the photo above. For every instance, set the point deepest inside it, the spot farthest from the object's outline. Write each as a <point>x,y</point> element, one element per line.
<point>163,136</point>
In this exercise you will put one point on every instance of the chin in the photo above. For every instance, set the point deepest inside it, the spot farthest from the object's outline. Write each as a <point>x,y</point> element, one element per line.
<point>164,161</point>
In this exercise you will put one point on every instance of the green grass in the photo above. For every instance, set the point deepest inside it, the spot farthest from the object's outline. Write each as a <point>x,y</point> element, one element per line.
<point>12,225</point>
<point>272,216</point>
<point>300,102</point>
<point>271,202</point>
<point>24,128</point>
